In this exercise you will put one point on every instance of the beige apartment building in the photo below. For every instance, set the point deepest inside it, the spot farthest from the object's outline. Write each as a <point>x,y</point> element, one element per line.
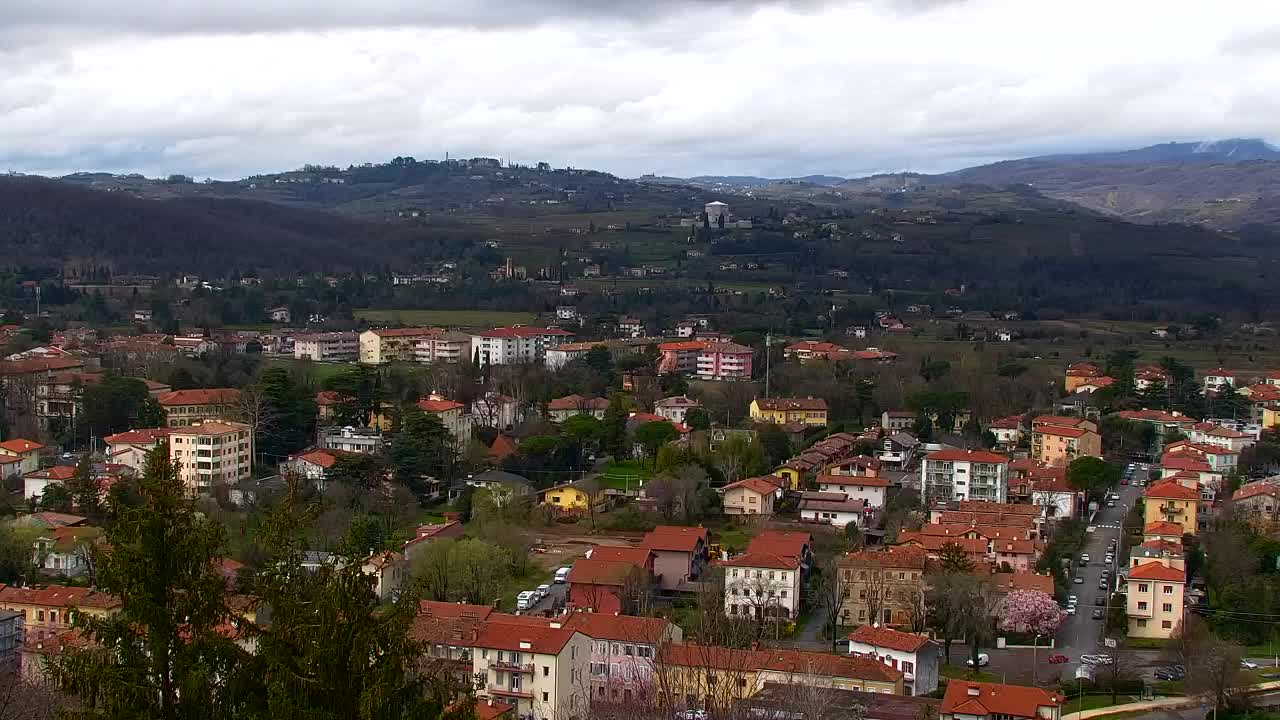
<point>189,407</point>
<point>1155,599</point>
<point>392,344</point>
<point>212,453</point>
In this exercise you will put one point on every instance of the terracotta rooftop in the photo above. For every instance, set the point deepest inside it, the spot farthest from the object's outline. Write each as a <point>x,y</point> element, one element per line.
<point>143,436</point>
<point>591,571</point>
<point>58,596</point>
<point>1155,571</point>
<point>202,396</point>
<point>860,480</point>
<point>966,697</point>
<point>433,406</point>
<point>1162,528</point>
<point>882,637</point>
<point>778,542</point>
<point>624,628</point>
<point>578,402</point>
<point>893,557</point>
<point>674,538</point>
<point>754,484</point>
<point>20,445</point>
<point>1171,490</point>
<point>763,560</point>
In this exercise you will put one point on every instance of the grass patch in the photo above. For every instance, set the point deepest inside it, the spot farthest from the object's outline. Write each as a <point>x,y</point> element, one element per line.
<point>321,371</point>
<point>1093,702</point>
<point>732,536</point>
<point>625,475</point>
<point>477,318</point>
<point>1149,643</point>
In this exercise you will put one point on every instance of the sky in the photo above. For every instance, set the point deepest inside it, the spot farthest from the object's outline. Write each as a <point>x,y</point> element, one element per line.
<point>673,87</point>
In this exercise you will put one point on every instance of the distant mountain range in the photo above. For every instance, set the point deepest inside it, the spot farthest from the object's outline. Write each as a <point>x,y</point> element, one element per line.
<point>1225,184</point>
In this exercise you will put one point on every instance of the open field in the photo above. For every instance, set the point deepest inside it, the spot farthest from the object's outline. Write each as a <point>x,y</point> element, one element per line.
<point>466,318</point>
<point>320,370</point>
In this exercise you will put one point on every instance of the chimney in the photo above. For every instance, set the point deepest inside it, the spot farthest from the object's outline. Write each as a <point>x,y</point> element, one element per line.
<point>556,625</point>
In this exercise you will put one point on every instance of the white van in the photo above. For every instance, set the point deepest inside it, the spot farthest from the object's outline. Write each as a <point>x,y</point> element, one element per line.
<point>525,599</point>
<point>562,575</point>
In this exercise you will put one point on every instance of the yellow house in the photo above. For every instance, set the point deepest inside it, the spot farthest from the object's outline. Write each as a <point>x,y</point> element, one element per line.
<point>1270,417</point>
<point>566,497</point>
<point>49,610</point>
<point>1170,501</point>
<point>1056,441</point>
<point>791,474</point>
<point>1155,597</point>
<point>806,411</point>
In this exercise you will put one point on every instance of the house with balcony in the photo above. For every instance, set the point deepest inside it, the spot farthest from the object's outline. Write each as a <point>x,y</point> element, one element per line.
<point>130,448</point>
<point>947,475</point>
<point>807,411</point>
<point>49,610</point>
<point>623,651</point>
<point>1170,501</point>
<point>1155,599</point>
<point>762,586</point>
<point>183,408</point>
<point>211,454</point>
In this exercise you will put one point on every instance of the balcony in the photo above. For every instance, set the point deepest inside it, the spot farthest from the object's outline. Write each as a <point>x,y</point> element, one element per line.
<point>510,692</point>
<point>512,666</point>
<point>1171,509</point>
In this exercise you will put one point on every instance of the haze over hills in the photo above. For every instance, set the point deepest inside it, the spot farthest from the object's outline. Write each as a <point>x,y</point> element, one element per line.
<point>1225,184</point>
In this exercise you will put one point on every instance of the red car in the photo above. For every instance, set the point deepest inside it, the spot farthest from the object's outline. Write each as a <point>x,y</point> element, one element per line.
<point>1057,658</point>
<point>1124,481</point>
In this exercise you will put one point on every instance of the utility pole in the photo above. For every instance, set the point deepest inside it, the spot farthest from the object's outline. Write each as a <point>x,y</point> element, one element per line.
<point>768,344</point>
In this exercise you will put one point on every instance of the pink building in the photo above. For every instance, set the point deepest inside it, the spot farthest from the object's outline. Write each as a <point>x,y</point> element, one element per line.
<point>707,360</point>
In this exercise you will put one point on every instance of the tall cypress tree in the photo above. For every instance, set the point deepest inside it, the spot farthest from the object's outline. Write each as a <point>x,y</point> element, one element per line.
<point>163,655</point>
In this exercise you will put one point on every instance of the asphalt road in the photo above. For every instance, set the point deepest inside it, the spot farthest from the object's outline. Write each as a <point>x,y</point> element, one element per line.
<point>1080,634</point>
<point>558,590</point>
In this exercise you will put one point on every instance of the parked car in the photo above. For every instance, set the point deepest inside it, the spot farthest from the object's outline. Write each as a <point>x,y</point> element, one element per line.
<point>1058,659</point>
<point>562,575</point>
<point>690,715</point>
<point>1084,558</point>
<point>526,599</point>
<point>983,660</point>
<point>543,590</point>
<point>1100,601</point>
<point>1071,609</point>
<point>1071,599</point>
<point>1079,580</point>
<point>1246,665</point>
<point>1172,672</point>
<point>1097,614</point>
<point>1095,659</point>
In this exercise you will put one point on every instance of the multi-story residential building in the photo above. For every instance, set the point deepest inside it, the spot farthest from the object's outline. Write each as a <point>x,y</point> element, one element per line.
<point>48,610</point>
<point>762,586</point>
<point>378,347</point>
<point>496,410</point>
<point>679,554</point>
<point>970,700</point>
<point>807,350</point>
<point>450,347</point>
<point>1057,440</point>
<point>327,347</point>
<point>869,488</point>
<point>367,441</point>
<point>26,452</point>
<point>805,411</point>
<point>11,636</point>
<point>717,680</point>
<point>706,359</point>
<point>1155,599</point>
<point>1259,503</point>
<point>59,397</point>
<point>1208,433</point>
<point>1008,430</point>
<point>516,344</point>
<point>130,448</point>
<point>561,409</point>
<point>947,475</point>
<point>915,655</point>
<point>1220,460</point>
<point>189,407</point>
<point>751,496</point>
<point>452,415</point>
<point>1172,502</point>
<point>565,353</point>
<point>623,650</point>
<point>211,454</point>
<point>882,586</point>
<point>65,551</point>
<point>675,408</point>
<point>832,508</point>
<point>894,420</point>
<point>1217,378</point>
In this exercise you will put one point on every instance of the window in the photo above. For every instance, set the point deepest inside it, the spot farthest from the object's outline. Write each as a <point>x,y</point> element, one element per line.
<point>53,616</point>
<point>1166,624</point>
<point>546,671</point>
<point>1142,623</point>
<point>770,574</point>
<point>1143,587</point>
<point>784,576</point>
<point>544,696</point>
<point>784,594</point>
<point>1167,607</point>
<point>644,651</point>
<point>1168,589</point>
<point>39,616</point>
<point>1142,605</point>
<point>630,650</point>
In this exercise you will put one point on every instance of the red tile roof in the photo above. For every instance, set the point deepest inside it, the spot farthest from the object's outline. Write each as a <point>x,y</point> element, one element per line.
<point>638,556</point>
<point>1009,582</point>
<point>1162,528</point>
<point>983,506</point>
<point>624,628</point>
<point>1254,489</point>
<point>323,458</point>
<point>1059,420</point>
<point>577,402</point>
<point>57,472</point>
<point>754,484</point>
<point>144,436</point>
<point>19,445</point>
<point>590,571</point>
<point>490,709</point>
<point>779,542</point>
<point>203,396</point>
<point>445,610</point>
<point>785,661</point>
<point>882,637</point>
<point>791,403</point>
<point>502,447</point>
<point>935,543</point>
<point>328,397</point>
<point>1012,422</point>
<point>34,365</point>
<point>763,560</point>
<point>58,596</point>
<point>674,538</point>
<point>1155,416</point>
<point>891,557</point>
<point>1156,571</point>
<point>1184,461</point>
<point>1172,490</point>
<point>978,456</point>
<point>965,697</point>
<point>438,406</point>
<point>1070,432</point>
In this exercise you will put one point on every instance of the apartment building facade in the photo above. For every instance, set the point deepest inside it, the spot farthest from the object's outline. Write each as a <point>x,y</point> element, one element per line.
<point>450,347</point>
<point>327,347</point>
<point>381,346</point>
<point>516,344</point>
<point>947,475</point>
<point>183,408</point>
<point>211,454</point>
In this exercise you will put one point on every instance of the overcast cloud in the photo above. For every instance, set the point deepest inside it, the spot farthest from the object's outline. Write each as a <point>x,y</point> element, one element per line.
<point>675,87</point>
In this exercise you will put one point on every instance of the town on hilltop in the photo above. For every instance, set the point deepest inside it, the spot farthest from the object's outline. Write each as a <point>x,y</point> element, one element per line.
<point>550,515</point>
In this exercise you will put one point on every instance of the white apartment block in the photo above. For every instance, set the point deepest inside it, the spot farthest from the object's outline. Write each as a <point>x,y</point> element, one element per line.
<point>516,344</point>
<point>212,453</point>
<point>761,586</point>
<point>327,347</point>
<point>947,475</point>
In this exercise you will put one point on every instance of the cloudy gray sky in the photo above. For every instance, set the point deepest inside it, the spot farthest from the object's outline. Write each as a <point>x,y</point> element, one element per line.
<point>676,87</point>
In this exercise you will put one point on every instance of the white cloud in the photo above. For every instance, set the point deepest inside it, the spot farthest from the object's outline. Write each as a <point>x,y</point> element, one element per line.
<point>684,87</point>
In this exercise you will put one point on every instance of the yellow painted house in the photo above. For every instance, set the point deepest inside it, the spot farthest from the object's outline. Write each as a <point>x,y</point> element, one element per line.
<point>1169,501</point>
<point>567,497</point>
<point>806,411</point>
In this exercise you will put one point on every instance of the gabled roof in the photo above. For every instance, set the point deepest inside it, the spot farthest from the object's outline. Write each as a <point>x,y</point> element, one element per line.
<point>674,538</point>
<point>578,402</point>
<point>1058,420</point>
<point>1012,422</point>
<point>1156,571</point>
<point>935,543</point>
<point>67,539</point>
<point>1008,582</point>
<point>433,406</point>
<point>623,628</point>
<point>58,473</point>
<point>201,396</point>
<point>504,632</point>
<point>1162,528</point>
<point>329,397</point>
<point>502,446</point>
<point>1172,490</point>
<point>590,571</point>
<point>755,484</point>
<point>860,480</point>
<point>20,445</point>
<point>1070,432</point>
<point>1266,487</point>
<point>638,556</point>
<point>58,596</point>
<point>779,542</point>
<point>891,557</point>
<point>825,503</point>
<point>763,560</point>
<point>883,637</point>
<point>142,436</point>
<point>51,519</point>
<point>965,697</point>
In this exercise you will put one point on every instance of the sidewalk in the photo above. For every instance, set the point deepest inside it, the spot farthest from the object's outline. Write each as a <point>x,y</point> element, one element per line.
<point>1167,703</point>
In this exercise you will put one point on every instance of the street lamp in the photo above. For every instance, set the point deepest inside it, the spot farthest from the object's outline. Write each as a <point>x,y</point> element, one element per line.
<point>1035,662</point>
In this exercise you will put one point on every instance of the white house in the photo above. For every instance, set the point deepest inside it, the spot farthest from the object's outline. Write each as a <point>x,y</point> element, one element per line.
<point>675,408</point>
<point>27,451</point>
<point>1216,378</point>
<point>947,475</point>
<point>34,483</point>
<point>516,344</point>
<point>1054,495</point>
<point>495,410</point>
<point>915,655</point>
<point>832,508</point>
<point>870,489</point>
<point>131,447</point>
<point>1008,430</point>
<point>761,585</point>
<point>65,550</point>
<point>387,570</point>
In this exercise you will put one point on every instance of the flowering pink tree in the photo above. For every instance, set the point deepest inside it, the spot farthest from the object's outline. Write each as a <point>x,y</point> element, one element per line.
<point>1031,611</point>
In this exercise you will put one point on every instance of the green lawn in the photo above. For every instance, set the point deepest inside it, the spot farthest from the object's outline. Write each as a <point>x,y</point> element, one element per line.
<point>1149,643</point>
<point>1093,702</point>
<point>475,318</point>
<point>960,672</point>
<point>623,475</point>
<point>320,370</point>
